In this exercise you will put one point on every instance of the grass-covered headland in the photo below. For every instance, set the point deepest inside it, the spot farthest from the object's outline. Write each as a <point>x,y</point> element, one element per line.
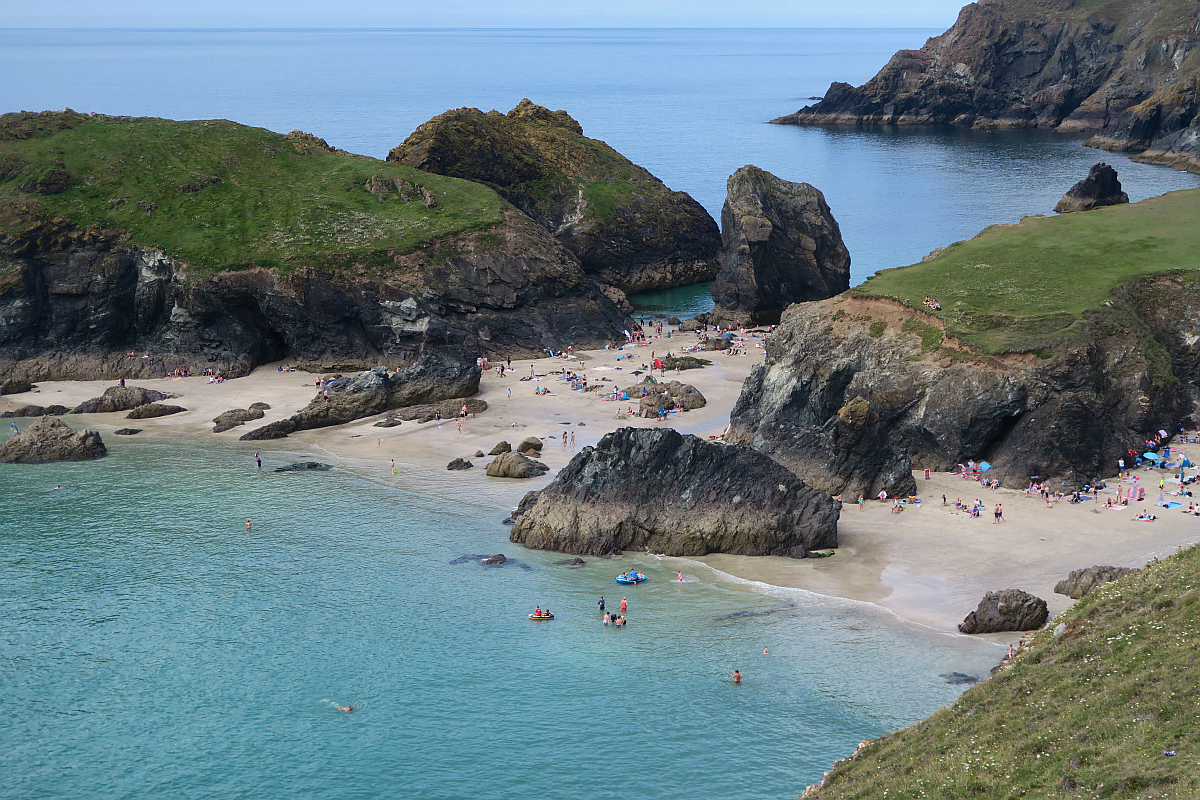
<point>216,195</point>
<point>1023,287</point>
<point>1106,708</point>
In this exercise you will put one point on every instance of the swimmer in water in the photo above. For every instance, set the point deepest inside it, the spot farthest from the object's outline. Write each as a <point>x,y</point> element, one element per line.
<point>680,577</point>
<point>765,653</point>
<point>737,676</point>
<point>248,524</point>
<point>56,488</point>
<point>346,709</point>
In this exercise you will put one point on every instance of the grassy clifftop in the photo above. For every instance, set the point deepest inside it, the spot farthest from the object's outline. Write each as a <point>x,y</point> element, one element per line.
<point>217,195</point>
<point>1092,712</point>
<point>1024,286</point>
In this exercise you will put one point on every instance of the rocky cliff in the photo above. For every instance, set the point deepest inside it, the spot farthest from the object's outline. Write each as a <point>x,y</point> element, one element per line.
<point>213,244</point>
<point>1100,188</point>
<point>678,495</point>
<point>856,392</point>
<point>1126,71</point>
<point>627,228</point>
<point>781,245</point>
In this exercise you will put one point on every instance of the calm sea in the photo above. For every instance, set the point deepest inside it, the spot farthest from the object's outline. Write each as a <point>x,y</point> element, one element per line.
<point>150,648</point>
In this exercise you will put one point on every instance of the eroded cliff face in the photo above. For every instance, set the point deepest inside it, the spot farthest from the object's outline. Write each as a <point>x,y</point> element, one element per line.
<point>1128,72</point>
<point>781,245</point>
<point>75,302</point>
<point>850,401</point>
<point>627,228</point>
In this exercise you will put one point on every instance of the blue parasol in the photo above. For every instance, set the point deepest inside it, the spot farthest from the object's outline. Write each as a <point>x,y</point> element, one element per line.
<point>1151,456</point>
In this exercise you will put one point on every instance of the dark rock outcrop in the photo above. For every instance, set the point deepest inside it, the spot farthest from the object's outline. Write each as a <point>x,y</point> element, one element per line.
<point>305,466</point>
<point>1100,188</point>
<point>459,463</point>
<point>152,410</point>
<point>678,495</point>
<point>440,374</point>
<point>126,431</point>
<point>49,439</point>
<point>1124,71</point>
<point>1008,610</point>
<point>851,397</point>
<point>495,561</point>
<point>530,444</point>
<point>1082,581</point>
<point>515,465</point>
<point>15,386</point>
<point>230,419</point>
<point>627,228</point>
<point>37,411</point>
<point>781,245</point>
<point>121,398</point>
<point>501,447</point>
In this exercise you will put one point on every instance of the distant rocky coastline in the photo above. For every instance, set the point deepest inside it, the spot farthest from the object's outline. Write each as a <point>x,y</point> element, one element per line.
<point>1123,72</point>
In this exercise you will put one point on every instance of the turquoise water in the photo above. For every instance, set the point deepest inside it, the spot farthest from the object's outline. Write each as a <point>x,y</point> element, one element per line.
<point>151,648</point>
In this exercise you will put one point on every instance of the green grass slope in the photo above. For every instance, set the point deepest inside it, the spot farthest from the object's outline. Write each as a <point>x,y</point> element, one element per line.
<point>216,195</point>
<point>1022,287</point>
<point>1090,713</point>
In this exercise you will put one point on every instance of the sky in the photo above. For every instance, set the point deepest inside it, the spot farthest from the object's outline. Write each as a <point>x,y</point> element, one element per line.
<point>477,13</point>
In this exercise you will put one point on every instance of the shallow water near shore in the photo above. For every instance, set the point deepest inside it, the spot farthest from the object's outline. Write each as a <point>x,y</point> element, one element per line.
<point>154,648</point>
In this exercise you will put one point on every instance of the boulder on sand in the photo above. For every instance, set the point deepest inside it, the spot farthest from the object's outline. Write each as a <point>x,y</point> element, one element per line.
<point>530,444</point>
<point>678,495</point>
<point>237,416</point>
<point>1082,581</point>
<point>459,463</point>
<point>50,439</point>
<point>515,465</point>
<point>1008,610</point>
<point>501,447</point>
<point>15,386</point>
<point>151,410</point>
<point>672,394</point>
<point>121,398</point>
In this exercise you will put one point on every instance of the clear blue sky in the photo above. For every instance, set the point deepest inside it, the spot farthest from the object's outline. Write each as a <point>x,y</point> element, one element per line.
<point>477,13</point>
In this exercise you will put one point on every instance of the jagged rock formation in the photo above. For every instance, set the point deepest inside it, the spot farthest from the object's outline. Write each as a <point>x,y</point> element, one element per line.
<point>678,495</point>
<point>1081,582</point>
<point>49,439</point>
<point>87,281</point>
<point>1100,188</point>
<point>15,386</point>
<point>627,228</point>
<point>1128,71</point>
<point>515,465</point>
<point>851,398</point>
<point>1009,610</point>
<point>121,398</point>
<point>459,464</point>
<point>426,412</point>
<point>530,444</point>
<point>781,246</point>
<point>440,374</point>
<point>501,447</point>
<point>126,431</point>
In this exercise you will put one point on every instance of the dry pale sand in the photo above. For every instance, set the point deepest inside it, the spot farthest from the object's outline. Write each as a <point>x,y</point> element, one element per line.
<point>929,565</point>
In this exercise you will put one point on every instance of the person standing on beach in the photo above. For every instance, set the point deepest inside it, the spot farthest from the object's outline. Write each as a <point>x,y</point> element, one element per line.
<point>999,514</point>
<point>862,503</point>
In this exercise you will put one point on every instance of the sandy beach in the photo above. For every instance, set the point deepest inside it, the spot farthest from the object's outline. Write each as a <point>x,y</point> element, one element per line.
<point>929,565</point>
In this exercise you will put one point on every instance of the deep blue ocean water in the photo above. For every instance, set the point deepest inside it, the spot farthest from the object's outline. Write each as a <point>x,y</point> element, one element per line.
<point>150,648</point>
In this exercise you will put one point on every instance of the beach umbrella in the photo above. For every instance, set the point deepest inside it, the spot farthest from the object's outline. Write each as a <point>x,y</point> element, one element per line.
<point>984,466</point>
<point>1150,456</point>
